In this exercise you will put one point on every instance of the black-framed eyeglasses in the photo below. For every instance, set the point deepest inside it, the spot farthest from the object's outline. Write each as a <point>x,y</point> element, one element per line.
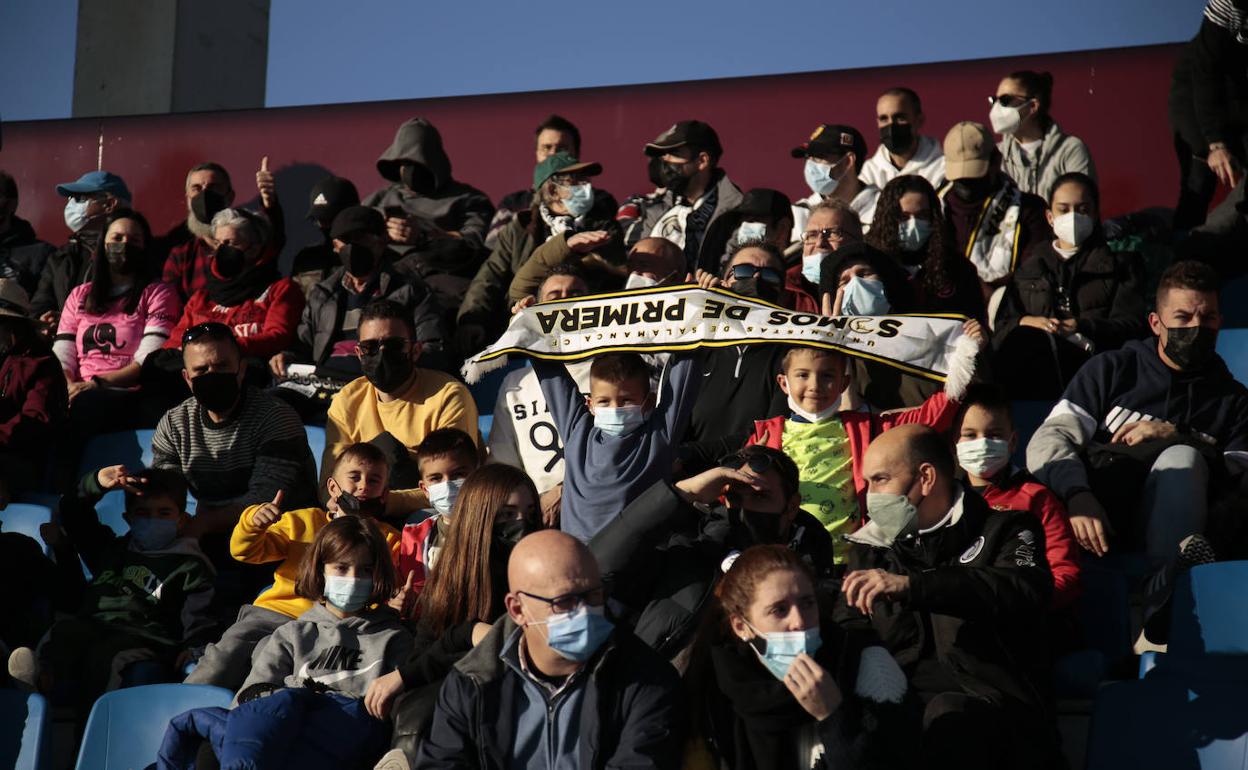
<point>758,463</point>
<point>768,274</point>
<point>1009,100</point>
<point>830,234</point>
<point>372,347</point>
<point>594,597</point>
<point>214,329</point>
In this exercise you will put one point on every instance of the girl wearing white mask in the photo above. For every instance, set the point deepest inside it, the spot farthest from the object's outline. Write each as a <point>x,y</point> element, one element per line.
<point>1071,298</point>
<point>1033,148</point>
<point>775,685</point>
<point>986,440</point>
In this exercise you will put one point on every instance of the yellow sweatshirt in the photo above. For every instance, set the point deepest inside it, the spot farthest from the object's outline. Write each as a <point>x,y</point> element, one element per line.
<point>286,540</point>
<point>434,400</point>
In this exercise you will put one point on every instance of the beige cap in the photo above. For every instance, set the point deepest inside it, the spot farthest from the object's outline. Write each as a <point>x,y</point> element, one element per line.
<point>968,151</point>
<point>13,299</point>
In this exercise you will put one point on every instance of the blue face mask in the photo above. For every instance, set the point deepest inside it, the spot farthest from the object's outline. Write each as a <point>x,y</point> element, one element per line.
<point>442,496</point>
<point>578,634</point>
<point>348,594</point>
<point>619,420</point>
<point>864,296</point>
<point>812,264</point>
<point>913,233</point>
<point>751,231</point>
<point>76,214</point>
<point>819,177</point>
<point>580,199</point>
<point>780,648</point>
<point>151,534</point>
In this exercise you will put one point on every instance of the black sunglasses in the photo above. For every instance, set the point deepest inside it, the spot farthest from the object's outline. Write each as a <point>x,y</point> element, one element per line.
<point>214,329</point>
<point>372,347</point>
<point>758,463</point>
<point>768,274</point>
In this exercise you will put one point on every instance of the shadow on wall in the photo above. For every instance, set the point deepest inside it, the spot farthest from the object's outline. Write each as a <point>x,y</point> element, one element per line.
<point>294,190</point>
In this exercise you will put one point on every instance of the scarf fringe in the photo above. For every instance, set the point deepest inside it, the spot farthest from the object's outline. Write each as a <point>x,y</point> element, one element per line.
<point>961,367</point>
<point>473,371</point>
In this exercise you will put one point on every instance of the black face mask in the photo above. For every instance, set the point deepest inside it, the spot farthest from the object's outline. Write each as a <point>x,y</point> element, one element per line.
<point>216,391</point>
<point>972,189</point>
<point>122,257</point>
<point>354,506</point>
<point>654,171</point>
<point>897,137</point>
<point>505,536</point>
<point>673,177</point>
<point>417,178</point>
<point>1191,347</point>
<point>765,527</point>
<point>387,369</point>
<point>358,259</point>
<point>757,288</point>
<point>229,261</point>
<point>206,204</point>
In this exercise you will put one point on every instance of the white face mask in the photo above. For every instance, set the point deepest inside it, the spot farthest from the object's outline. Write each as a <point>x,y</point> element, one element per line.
<point>1005,120</point>
<point>811,266</point>
<point>639,281</point>
<point>983,457</point>
<point>820,416</point>
<point>76,214</point>
<point>442,495</point>
<point>864,296</point>
<point>1073,227</point>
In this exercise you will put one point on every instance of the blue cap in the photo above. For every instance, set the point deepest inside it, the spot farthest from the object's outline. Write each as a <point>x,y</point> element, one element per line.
<point>95,182</point>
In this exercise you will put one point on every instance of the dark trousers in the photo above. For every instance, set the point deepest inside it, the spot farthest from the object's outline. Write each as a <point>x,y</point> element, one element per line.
<point>1034,365</point>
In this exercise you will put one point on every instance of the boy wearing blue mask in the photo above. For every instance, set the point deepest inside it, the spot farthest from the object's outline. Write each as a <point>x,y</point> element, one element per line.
<point>150,588</point>
<point>621,438</point>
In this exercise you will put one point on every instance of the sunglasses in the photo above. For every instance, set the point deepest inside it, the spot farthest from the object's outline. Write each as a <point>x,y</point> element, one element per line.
<point>758,463</point>
<point>767,274</point>
<point>372,347</point>
<point>214,329</point>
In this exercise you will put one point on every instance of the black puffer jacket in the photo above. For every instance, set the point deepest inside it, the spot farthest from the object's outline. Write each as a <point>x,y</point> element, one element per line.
<point>22,255</point>
<point>1105,290</point>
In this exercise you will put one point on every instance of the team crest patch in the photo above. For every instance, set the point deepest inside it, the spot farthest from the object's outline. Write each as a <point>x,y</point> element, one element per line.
<point>970,553</point>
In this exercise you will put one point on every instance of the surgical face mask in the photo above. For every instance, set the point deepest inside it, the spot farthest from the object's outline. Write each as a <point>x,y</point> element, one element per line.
<point>76,214</point>
<point>983,457</point>
<point>442,495</point>
<point>580,199</point>
<point>151,534</point>
<point>355,506</point>
<point>778,649</point>
<point>358,259</point>
<point>1005,120</point>
<point>216,391</point>
<point>1190,347</point>
<point>751,231</point>
<point>819,177</point>
<point>819,416</point>
<point>812,266</point>
<point>864,296</point>
<point>913,233</point>
<point>893,514</point>
<point>618,420</point>
<point>639,281</point>
<point>229,261</point>
<point>578,634</point>
<point>122,257</point>
<point>348,594</point>
<point>897,137</point>
<point>1073,227</point>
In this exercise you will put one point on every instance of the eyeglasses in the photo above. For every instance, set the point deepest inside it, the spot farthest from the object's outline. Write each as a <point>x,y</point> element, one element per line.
<point>746,272</point>
<point>594,597</point>
<point>830,234</point>
<point>1009,100</point>
<point>372,347</point>
<point>208,329</point>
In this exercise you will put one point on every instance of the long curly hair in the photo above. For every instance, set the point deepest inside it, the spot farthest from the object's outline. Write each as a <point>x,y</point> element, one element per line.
<point>937,257</point>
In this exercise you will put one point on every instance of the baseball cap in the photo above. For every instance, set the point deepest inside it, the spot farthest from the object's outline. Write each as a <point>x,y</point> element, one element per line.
<point>562,163</point>
<point>357,219</point>
<point>765,202</point>
<point>95,182</point>
<point>330,196</point>
<point>968,151</point>
<point>831,138</point>
<point>13,299</point>
<point>692,133</point>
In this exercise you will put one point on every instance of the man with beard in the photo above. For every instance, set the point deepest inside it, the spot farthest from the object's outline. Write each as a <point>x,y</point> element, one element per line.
<point>190,245</point>
<point>665,551</point>
<point>436,223</point>
<point>22,255</point>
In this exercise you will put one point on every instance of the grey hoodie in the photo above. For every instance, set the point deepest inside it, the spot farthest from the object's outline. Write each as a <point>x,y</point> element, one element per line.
<point>1059,154</point>
<point>345,654</point>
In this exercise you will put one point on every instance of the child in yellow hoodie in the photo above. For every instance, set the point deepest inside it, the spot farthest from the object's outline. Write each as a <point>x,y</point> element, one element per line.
<point>357,485</point>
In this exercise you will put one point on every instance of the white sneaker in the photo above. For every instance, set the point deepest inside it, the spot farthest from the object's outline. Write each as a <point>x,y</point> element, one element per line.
<point>24,668</point>
<point>394,759</point>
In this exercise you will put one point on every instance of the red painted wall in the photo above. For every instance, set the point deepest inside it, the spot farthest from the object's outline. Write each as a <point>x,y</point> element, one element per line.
<point>1115,100</point>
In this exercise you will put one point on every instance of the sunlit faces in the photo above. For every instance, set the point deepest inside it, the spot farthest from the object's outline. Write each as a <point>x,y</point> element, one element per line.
<point>814,379</point>
<point>631,392</point>
<point>551,141</point>
<point>360,478</point>
<point>784,601</point>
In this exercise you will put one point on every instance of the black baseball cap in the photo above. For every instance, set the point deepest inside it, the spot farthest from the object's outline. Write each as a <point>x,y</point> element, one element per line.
<point>357,219</point>
<point>830,138</point>
<point>691,133</point>
<point>330,196</point>
<point>765,202</point>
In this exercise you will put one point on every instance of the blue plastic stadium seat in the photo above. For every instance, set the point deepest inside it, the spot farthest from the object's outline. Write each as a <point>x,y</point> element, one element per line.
<point>485,391</point>
<point>1233,347</point>
<point>316,442</point>
<point>131,448</point>
<point>24,730</point>
<point>1234,305</point>
<point>126,726</point>
<point>1210,611</point>
<point>1027,417</point>
<point>485,423</point>
<point>25,518</point>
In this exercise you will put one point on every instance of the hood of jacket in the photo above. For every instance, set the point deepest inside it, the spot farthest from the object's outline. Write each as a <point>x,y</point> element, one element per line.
<point>417,141</point>
<point>366,622</point>
<point>20,232</point>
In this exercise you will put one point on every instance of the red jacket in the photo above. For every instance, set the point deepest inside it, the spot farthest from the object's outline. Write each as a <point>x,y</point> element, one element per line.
<point>1021,492</point>
<point>937,412</point>
<point>804,293</point>
<point>414,545</point>
<point>264,325</point>
<point>32,401</point>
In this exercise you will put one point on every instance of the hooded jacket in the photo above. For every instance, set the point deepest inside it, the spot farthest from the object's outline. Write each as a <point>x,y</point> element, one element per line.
<point>1123,386</point>
<point>345,655</point>
<point>22,255</point>
<point>1059,154</point>
<point>628,715</point>
<point>1105,289</point>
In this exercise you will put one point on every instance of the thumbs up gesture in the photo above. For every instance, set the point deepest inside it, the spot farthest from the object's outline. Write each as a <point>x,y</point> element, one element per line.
<point>268,514</point>
<point>266,184</point>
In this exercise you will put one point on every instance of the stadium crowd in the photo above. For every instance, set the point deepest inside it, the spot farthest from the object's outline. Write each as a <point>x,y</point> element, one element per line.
<point>743,556</point>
